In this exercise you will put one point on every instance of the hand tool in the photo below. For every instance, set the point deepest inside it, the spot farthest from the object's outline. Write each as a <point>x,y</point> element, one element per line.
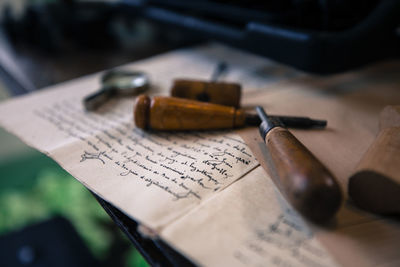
<point>171,113</point>
<point>375,185</point>
<point>305,182</point>
<point>222,93</point>
<point>117,82</point>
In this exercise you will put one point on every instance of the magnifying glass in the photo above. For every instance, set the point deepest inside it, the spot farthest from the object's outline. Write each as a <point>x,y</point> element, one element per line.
<point>117,83</point>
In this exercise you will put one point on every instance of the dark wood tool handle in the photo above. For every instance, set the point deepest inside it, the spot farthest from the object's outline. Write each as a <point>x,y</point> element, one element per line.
<point>221,93</point>
<point>302,178</point>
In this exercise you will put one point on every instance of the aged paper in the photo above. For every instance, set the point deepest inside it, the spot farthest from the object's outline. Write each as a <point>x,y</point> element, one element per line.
<point>153,177</point>
<point>248,224</point>
<point>351,103</point>
<point>204,192</point>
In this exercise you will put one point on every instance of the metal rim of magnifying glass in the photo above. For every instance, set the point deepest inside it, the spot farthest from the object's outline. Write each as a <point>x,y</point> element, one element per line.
<point>123,73</point>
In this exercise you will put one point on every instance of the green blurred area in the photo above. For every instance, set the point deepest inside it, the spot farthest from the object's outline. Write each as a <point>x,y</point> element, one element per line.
<point>33,188</point>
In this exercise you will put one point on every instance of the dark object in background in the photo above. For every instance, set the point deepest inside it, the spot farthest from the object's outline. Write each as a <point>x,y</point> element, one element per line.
<point>51,243</point>
<point>319,36</point>
<point>61,26</point>
<point>57,41</point>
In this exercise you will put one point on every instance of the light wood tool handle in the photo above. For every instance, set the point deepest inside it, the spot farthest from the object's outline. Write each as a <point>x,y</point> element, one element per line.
<point>306,182</point>
<point>375,185</point>
<point>171,113</point>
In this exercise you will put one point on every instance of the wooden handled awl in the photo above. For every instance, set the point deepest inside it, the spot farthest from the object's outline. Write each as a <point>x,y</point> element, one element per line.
<point>375,185</point>
<point>302,178</point>
<point>216,92</point>
<point>222,93</point>
<point>170,113</point>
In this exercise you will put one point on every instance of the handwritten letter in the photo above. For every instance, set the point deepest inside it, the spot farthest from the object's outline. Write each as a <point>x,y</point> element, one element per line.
<point>170,172</point>
<point>262,230</point>
<point>183,165</point>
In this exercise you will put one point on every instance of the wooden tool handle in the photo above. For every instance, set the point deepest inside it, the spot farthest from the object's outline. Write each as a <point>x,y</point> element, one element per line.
<point>222,93</point>
<point>170,113</point>
<point>375,186</point>
<point>305,181</point>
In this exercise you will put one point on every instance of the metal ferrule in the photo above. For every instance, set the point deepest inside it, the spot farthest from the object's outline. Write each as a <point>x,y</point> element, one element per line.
<point>267,123</point>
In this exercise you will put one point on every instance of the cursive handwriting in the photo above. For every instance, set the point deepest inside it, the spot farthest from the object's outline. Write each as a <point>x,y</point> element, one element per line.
<point>288,235</point>
<point>183,165</point>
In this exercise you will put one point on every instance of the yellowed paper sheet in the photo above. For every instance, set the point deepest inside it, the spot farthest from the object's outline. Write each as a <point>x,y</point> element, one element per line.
<point>153,177</point>
<point>248,224</point>
<point>229,222</point>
